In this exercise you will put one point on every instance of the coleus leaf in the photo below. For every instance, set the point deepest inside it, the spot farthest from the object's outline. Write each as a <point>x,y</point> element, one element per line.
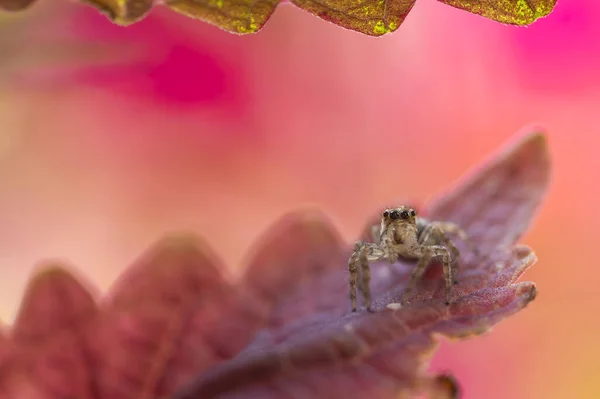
<point>370,17</point>
<point>175,325</point>
<point>312,346</point>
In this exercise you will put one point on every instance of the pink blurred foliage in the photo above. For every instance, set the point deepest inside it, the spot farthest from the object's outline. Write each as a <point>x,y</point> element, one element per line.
<point>184,74</point>
<point>158,62</point>
<point>561,52</point>
<point>447,84</point>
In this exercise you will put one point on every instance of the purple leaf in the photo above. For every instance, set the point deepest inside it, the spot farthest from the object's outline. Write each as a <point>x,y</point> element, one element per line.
<point>50,360</point>
<point>312,346</point>
<point>496,203</point>
<point>175,325</point>
<point>164,321</point>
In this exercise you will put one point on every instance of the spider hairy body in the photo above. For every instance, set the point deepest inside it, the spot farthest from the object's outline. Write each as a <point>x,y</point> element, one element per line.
<point>404,235</point>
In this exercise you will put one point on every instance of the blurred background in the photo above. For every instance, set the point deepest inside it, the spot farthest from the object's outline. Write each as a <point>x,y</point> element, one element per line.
<point>110,137</point>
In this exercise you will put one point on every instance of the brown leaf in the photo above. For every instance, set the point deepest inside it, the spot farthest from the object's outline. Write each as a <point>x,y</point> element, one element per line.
<point>15,5</point>
<point>513,12</point>
<point>236,16</point>
<point>373,18</point>
<point>122,12</point>
<point>370,17</point>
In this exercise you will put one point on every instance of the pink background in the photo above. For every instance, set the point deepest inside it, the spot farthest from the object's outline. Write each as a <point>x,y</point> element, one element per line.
<point>111,137</point>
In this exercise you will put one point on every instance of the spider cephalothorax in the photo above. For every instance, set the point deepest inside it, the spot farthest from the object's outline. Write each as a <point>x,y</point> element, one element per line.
<point>404,234</point>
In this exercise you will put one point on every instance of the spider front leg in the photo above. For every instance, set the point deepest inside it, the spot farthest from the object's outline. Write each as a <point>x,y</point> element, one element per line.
<point>436,233</point>
<point>428,254</point>
<point>454,260</point>
<point>452,228</point>
<point>454,255</point>
<point>361,256</point>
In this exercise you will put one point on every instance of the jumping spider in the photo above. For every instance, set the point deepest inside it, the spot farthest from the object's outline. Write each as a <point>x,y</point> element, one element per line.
<point>403,234</point>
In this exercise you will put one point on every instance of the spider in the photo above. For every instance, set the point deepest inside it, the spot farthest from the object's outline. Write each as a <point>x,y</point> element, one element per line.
<point>403,234</point>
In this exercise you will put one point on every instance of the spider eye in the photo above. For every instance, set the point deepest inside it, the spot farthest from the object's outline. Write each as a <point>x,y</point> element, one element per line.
<point>413,213</point>
<point>385,214</point>
<point>394,215</point>
<point>404,215</point>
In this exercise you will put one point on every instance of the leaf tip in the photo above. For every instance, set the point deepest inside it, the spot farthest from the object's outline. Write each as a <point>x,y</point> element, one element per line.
<point>122,12</point>
<point>54,274</point>
<point>510,12</point>
<point>382,28</point>
<point>174,266</point>
<point>544,8</point>
<point>446,386</point>
<point>53,299</point>
<point>528,291</point>
<point>178,249</point>
<point>525,255</point>
<point>183,245</point>
<point>15,5</point>
<point>534,145</point>
<point>299,228</point>
<point>535,135</point>
<point>296,248</point>
<point>248,18</point>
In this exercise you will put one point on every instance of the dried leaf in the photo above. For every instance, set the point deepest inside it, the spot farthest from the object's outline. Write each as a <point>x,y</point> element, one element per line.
<point>122,12</point>
<point>373,18</point>
<point>513,12</point>
<point>236,16</point>
<point>15,5</point>
<point>370,17</point>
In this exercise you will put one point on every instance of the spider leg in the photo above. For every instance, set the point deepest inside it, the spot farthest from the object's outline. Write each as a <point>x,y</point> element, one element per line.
<point>453,259</point>
<point>416,274</point>
<point>376,233</point>
<point>449,271</point>
<point>361,256</point>
<point>452,228</point>
<point>353,270</point>
<point>429,253</point>
<point>435,234</point>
